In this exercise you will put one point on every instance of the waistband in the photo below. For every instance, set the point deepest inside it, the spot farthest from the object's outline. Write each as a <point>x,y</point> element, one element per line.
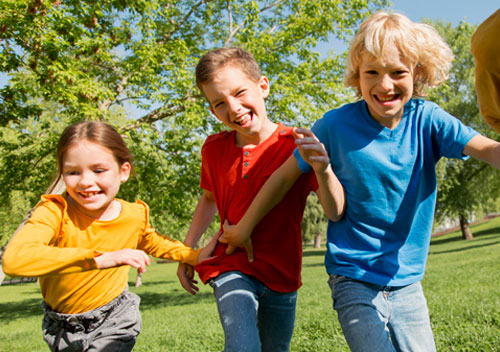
<point>86,321</point>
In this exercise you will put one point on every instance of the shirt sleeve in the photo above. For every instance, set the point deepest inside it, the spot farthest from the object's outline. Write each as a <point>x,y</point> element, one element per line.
<point>32,251</point>
<point>164,247</point>
<point>450,134</point>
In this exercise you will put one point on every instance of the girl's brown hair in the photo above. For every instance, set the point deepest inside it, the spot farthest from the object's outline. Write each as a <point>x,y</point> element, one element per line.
<point>96,132</point>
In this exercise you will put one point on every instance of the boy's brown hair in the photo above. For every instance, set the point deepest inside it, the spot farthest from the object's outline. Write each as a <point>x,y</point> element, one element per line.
<point>216,59</point>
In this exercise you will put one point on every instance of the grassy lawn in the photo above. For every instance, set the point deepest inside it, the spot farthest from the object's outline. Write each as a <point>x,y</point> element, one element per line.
<point>462,286</point>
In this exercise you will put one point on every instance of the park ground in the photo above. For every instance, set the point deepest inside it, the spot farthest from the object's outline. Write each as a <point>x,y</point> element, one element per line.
<point>462,287</point>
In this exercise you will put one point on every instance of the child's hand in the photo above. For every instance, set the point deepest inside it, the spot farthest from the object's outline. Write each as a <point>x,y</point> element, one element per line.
<point>236,237</point>
<point>311,149</point>
<point>185,273</point>
<point>206,252</point>
<point>133,257</point>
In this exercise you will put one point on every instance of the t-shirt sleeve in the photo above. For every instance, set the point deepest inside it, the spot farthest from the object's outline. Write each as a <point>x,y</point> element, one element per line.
<point>450,135</point>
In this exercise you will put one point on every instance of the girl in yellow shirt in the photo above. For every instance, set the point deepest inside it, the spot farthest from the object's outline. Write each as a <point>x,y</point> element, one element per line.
<point>82,243</point>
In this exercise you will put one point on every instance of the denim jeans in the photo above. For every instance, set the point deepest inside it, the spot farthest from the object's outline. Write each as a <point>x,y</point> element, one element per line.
<point>254,318</point>
<point>382,318</point>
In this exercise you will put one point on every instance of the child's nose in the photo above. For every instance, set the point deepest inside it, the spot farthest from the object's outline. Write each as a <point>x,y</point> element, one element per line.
<point>86,179</point>
<point>386,82</point>
<point>234,105</point>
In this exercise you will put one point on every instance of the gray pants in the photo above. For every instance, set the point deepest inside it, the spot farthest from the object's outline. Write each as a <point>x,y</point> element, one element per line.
<point>113,327</point>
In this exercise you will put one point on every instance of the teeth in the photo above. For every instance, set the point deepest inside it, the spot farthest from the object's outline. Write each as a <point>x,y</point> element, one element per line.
<point>242,119</point>
<point>88,194</point>
<point>385,99</point>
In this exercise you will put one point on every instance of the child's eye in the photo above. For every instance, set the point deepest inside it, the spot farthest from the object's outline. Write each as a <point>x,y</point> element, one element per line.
<point>218,105</point>
<point>400,72</point>
<point>371,72</point>
<point>240,92</point>
<point>98,171</point>
<point>70,173</point>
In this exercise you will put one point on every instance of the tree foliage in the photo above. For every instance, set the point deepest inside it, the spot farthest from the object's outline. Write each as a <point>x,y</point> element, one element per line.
<point>131,63</point>
<point>465,188</point>
<point>314,221</point>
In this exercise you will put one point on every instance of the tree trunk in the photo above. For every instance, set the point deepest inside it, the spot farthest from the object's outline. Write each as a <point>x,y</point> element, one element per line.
<point>464,226</point>
<point>317,241</point>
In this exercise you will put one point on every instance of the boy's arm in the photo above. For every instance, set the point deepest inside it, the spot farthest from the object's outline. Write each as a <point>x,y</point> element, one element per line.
<point>330,191</point>
<point>484,149</point>
<point>202,218</point>
<point>268,197</point>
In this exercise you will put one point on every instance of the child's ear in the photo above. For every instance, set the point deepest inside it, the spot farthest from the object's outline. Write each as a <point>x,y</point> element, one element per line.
<point>264,86</point>
<point>125,171</point>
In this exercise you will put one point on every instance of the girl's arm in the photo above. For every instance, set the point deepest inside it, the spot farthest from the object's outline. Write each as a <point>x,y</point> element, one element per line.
<point>30,254</point>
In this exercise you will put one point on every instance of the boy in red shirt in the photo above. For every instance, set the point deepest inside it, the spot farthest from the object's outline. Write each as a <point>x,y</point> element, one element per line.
<point>256,299</point>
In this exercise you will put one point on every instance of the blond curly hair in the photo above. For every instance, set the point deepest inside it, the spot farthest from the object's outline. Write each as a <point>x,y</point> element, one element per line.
<point>418,44</point>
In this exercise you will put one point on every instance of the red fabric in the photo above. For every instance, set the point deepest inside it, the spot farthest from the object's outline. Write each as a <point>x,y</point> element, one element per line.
<point>235,175</point>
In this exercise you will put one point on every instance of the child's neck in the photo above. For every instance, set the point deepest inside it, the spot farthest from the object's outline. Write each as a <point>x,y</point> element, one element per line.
<point>111,212</point>
<point>252,140</point>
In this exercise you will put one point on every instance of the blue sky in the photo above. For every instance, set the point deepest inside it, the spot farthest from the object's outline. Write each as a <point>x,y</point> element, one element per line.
<point>454,11</point>
<point>472,11</point>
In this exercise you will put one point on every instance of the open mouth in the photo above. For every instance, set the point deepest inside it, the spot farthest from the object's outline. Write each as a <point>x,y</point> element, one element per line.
<point>387,99</point>
<point>89,195</point>
<point>244,120</point>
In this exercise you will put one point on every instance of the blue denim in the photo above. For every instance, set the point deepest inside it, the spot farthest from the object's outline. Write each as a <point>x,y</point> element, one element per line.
<point>382,318</point>
<point>254,318</point>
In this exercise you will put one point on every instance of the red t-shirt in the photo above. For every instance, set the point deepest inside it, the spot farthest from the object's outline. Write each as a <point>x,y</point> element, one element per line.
<point>234,175</point>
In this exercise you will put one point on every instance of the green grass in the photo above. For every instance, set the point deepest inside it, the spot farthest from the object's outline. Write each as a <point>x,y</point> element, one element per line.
<point>462,286</point>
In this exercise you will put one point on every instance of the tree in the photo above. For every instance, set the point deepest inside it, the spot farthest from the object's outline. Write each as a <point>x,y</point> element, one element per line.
<point>314,221</point>
<point>470,188</point>
<point>73,60</point>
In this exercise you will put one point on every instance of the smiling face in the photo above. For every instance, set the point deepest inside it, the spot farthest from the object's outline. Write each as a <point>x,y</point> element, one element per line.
<point>238,102</point>
<point>386,85</point>
<point>92,177</point>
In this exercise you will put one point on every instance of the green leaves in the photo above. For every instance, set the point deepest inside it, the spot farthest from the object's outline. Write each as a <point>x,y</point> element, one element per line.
<point>131,63</point>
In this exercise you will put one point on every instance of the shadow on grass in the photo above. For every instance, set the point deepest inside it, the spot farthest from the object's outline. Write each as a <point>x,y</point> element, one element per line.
<point>146,283</point>
<point>495,232</point>
<point>21,309</point>
<point>153,300</point>
<point>431,252</point>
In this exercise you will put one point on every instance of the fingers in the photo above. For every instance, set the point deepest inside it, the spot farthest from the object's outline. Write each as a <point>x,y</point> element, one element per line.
<point>230,249</point>
<point>185,273</point>
<point>249,248</point>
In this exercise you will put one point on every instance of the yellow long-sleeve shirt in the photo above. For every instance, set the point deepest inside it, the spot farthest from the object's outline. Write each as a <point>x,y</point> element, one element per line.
<point>486,51</point>
<point>59,243</point>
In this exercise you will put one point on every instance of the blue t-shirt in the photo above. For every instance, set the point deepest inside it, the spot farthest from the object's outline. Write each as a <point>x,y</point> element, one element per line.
<point>390,186</point>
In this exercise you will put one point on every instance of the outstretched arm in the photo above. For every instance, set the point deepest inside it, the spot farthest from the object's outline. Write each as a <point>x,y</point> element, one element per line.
<point>330,191</point>
<point>484,149</point>
<point>268,197</point>
<point>202,218</point>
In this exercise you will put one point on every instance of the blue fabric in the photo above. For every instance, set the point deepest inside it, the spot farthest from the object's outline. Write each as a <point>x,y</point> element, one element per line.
<point>254,317</point>
<point>376,318</point>
<point>390,186</point>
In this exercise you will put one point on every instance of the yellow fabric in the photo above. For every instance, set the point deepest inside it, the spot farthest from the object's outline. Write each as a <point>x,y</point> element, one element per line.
<point>59,243</point>
<point>486,50</point>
